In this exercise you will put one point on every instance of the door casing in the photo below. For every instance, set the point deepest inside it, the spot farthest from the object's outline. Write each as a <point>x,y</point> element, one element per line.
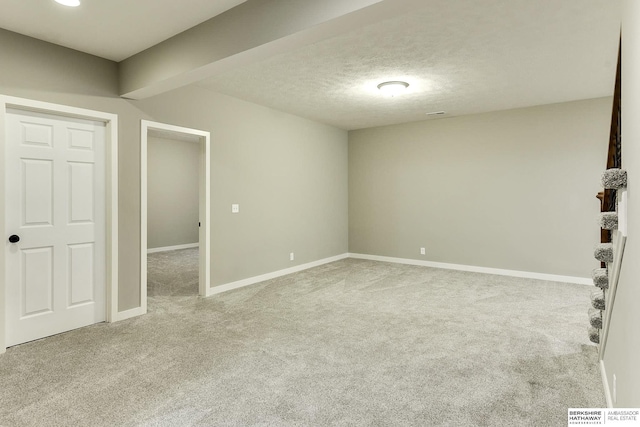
<point>204,196</point>
<point>111,196</point>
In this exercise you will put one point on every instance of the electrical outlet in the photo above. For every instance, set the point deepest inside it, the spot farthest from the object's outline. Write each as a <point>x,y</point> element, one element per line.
<point>615,386</point>
<point>423,251</point>
<point>291,256</point>
<point>235,208</point>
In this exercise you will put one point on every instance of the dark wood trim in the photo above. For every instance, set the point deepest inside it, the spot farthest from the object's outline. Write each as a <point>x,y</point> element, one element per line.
<point>614,152</point>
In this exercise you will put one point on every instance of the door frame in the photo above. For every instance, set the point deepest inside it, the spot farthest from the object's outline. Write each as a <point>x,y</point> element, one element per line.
<point>111,195</point>
<point>204,198</point>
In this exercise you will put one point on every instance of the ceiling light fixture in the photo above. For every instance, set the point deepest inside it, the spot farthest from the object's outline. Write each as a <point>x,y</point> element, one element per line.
<point>393,88</point>
<point>70,3</point>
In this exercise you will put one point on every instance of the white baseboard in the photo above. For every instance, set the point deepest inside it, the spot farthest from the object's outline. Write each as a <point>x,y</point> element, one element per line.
<point>605,384</point>
<point>173,248</point>
<point>513,273</point>
<point>268,276</point>
<point>128,314</point>
<point>476,269</point>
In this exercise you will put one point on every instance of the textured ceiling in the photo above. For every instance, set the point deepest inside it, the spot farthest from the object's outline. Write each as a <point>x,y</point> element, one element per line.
<point>112,29</point>
<point>459,56</point>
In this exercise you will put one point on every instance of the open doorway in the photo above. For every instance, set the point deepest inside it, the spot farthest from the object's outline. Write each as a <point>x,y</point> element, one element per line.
<point>182,195</point>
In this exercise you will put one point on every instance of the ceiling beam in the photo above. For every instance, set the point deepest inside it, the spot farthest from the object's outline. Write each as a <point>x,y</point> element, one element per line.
<point>250,32</point>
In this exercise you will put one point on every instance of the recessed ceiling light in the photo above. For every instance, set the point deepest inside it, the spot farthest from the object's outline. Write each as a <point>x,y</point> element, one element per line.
<point>393,88</point>
<point>71,3</point>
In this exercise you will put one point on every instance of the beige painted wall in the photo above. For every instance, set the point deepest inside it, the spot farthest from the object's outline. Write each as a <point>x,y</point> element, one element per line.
<point>288,174</point>
<point>511,190</point>
<point>172,192</point>
<point>623,345</point>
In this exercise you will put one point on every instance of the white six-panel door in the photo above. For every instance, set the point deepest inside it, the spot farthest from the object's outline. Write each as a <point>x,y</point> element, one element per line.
<point>55,205</point>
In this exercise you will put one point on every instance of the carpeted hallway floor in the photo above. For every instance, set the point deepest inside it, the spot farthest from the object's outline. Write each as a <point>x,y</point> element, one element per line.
<point>351,343</point>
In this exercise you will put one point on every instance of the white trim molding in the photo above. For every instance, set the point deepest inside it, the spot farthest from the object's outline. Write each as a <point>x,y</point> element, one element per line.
<point>610,296</point>
<point>111,196</point>
<point>172,248</point>
<point>605,385</point>
<point>622,211</point>
<point>273,275</point>
<point>512,273</point>
<point>476,269</point>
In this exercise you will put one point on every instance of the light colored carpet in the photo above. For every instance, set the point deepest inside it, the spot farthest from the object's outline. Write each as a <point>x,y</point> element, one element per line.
<point>351,343</point>
<point>172,274</point>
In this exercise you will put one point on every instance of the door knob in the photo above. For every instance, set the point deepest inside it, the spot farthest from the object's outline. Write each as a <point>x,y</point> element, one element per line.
<point>14,238</point>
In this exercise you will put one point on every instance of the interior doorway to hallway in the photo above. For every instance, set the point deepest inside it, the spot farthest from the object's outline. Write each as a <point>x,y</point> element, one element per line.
<point>152,132</point>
